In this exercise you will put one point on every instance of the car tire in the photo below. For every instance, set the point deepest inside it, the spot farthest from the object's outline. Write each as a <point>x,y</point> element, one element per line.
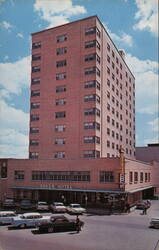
<point>22,226</point>
<point>50,229</point>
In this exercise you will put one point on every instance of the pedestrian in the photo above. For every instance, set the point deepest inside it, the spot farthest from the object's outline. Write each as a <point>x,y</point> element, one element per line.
<point>145,208</point>
<point>78,224</point>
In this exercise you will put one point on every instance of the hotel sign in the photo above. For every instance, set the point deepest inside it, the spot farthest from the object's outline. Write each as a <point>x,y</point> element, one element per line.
<point>58,186</point>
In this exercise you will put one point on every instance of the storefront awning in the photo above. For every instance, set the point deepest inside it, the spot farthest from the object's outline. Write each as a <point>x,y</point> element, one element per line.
<point>69,189</point>
<point>139,189</point>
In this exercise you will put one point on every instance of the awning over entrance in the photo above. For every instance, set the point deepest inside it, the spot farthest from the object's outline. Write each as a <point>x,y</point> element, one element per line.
<point>69,189</point>
<point>139,189</point>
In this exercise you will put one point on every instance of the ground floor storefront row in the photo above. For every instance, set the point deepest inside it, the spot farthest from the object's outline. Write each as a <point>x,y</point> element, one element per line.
<point>87,198</point>
<point>93,182</point>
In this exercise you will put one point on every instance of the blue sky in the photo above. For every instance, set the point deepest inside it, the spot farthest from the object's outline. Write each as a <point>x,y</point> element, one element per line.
<point>132,24</point>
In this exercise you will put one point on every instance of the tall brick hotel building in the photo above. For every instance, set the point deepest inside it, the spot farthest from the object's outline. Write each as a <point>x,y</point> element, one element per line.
<point>82,122</point>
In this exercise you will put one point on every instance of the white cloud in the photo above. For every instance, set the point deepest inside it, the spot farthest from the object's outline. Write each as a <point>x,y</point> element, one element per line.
<point>13,131</point>
<point>147,15</point>
<point>145,72</point>
<point>154,124</point>
<point>15,76</point>
<point>57,13</point>
<point>122,40</point>
<point>6,57</point>
<point>6,25</point>
<point>20,35</point>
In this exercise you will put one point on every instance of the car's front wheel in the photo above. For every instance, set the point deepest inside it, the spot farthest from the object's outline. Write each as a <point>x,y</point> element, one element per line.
<point>50,229</point>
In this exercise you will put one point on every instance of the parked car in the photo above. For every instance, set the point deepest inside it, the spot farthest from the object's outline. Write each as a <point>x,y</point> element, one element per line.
<point>28,220</point>
<point>42,206</point>
<point>8,203</point>
<point>58,207</point>
<point>6,217</point>
<point>26,204</point>
<point>154,223</point>
<point>75,209</point>
<point>58,223</point>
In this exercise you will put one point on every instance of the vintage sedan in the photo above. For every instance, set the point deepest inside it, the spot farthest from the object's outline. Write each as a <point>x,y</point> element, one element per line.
<point>57,224</point>
<point>75,209</point>
<point>6,217</point>
<point>58,207</point>
<point>28,220</point>
<point>42,206</point>
<point>154,223</point>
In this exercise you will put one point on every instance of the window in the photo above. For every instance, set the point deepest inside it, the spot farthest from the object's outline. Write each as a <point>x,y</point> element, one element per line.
<point>92,84</point>
<point>108,70</point>
<point>90,44</point>
<point>35,105</point>
<point>35,93</point>
<point>108,131</point>
<point>113,53</point>
<point>146,177</point>
<point>35,81</point>
<point>91,139</point>
<point>36,45</point>
<point>90,57</point>
<point>36,57</point>
<point>117,60</point>
<point>59,155</point>
<point>113,65</point>
<point>121,66</point>
<point>135,177</point>
<point>92,30</point>
<point>93,43</point>
<point>60,128</point>
<point>108,58</point>
<point>34,117</point>
<point>106,176</point>
<point>35,69</point>
<point>108,47</point>
<point>92,111</point>
<point>108,144</point>
<point>60,102</point>
<point>60,89</point>
<point>61,51</point>
<point>60,141</point>
<point>61,114</point>
<point>113,76</point>
<point>61,63</point>
<point>108,82</point>
<point>19,174</point>
<point>91,154</point>
<point>92,98</point>
<point>60,76</point>
<point>92,70</point>
<point>130,177</point>
<point>33,155</point>
<point>61,38</point>
<point>91,125</point>
<point>108,118</point>
<point>34,130</point>
<point>69,176</point>
<point>141,177</point>
<point>34,142</point>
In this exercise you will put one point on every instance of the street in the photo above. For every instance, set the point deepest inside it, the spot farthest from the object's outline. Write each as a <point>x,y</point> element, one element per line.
<point>101,232</point>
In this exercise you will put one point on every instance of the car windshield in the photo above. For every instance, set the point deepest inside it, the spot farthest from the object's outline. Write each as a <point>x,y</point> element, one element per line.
<point>25,202</point>
<point>76,206</point>
<point>58,204</point>
<point>42,203</point>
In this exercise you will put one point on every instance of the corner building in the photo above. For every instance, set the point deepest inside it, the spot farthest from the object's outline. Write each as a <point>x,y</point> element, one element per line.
<point>82,94</point>
<point>82,114</point>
